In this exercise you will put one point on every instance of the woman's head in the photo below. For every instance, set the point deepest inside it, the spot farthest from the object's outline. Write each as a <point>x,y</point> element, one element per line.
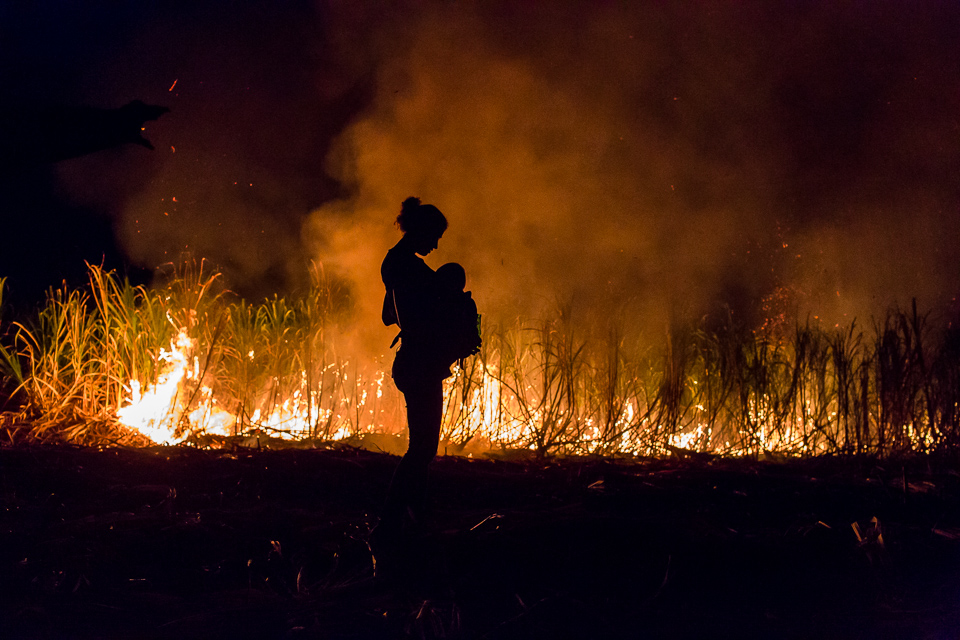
<point>423,223</point>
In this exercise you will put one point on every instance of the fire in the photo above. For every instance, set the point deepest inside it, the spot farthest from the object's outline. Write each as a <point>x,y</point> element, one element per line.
<point>159,412</point>
<point>480,406</point>
<point>180,405</point>
<point>228,368</point>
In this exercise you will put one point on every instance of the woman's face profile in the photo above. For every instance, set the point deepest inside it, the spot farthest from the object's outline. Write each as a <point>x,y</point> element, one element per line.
<point>426,243</point>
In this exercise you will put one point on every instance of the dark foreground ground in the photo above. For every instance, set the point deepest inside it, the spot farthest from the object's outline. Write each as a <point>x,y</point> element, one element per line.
<point>184,543</point>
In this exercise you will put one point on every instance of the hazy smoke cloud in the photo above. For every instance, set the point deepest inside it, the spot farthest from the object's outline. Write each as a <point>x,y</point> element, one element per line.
<point>681,158</point>
<point>677,157</point>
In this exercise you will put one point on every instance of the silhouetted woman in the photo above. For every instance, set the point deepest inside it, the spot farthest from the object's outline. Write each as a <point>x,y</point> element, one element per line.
<point>412,302</point>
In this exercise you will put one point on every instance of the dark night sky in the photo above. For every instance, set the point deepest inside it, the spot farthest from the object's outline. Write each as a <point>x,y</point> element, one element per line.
<point>675,156</point>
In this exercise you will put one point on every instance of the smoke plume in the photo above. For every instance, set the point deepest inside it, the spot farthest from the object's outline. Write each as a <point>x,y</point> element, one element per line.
<point>654,161</point>
<point>662,161</point>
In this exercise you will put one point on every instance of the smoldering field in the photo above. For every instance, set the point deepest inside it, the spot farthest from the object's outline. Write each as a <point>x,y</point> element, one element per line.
<point>624,185</point>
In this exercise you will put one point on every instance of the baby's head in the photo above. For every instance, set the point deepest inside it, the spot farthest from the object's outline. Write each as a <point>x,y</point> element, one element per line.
<point>452,276</point>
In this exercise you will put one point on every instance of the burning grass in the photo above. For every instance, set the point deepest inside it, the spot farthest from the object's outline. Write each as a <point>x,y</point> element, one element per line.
<point>187,361</point>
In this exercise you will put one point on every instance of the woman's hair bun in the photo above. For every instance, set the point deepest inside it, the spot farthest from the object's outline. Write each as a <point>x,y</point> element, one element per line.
<point>410,204</point>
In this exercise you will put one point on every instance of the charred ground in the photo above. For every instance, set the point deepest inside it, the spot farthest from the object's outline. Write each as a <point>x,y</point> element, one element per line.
<point>181,542</point>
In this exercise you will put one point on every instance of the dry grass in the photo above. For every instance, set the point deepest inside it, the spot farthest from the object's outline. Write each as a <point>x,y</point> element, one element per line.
<point>551,385</point>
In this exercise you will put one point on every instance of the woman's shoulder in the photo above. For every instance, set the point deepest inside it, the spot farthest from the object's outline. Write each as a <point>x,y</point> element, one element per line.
<point>401,265</point>
<point>392,263</point>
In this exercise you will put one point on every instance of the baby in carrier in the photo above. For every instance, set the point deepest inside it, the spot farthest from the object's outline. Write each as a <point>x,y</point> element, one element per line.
<point>461,337</point>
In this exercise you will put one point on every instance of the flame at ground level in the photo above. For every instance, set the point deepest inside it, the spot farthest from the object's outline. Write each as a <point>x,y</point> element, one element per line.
<point>486,408</point>
<point>179,405</point>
